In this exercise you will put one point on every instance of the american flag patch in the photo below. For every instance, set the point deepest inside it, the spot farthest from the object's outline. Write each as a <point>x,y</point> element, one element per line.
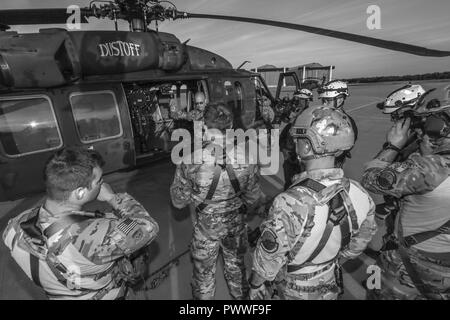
<point>127,226</point>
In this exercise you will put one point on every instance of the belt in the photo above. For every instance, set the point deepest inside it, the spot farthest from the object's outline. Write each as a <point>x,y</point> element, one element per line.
<point>308,276</point>
<point>237,195</point>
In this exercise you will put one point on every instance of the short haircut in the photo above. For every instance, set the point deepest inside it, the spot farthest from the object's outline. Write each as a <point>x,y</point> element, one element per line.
<point>200,95</point>
<point>218,116</point>
<point>69,169</point>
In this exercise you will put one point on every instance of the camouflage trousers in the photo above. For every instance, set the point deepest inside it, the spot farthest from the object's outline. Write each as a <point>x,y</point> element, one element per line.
<point>231,240</point>
<point>321,285</point>
<point>396,284</point>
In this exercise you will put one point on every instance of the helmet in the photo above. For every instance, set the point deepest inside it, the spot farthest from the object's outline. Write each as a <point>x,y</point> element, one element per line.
<point>304,94</point>
<point>405,97</point>
<point>436,115</point>
<point>333,89</point>
<point>328,130</point>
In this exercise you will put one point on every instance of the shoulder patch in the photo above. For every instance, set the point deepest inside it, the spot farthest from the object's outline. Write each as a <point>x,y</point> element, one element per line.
<point>127,226</point>
<point>386,179</point>
<point>269,241</point>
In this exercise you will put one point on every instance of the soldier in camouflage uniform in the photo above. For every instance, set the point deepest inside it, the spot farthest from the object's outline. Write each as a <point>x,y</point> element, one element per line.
<point>420,266</point>
<point>222,190</point>
<point>291,164</point>
<point>333,94</point>
<point>71,253</point>
<point>322,217</point>
<point>196,114</point>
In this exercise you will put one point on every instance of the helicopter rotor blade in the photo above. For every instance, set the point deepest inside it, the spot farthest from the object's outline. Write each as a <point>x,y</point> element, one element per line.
<point>386,44</point>
<point>38,16</point>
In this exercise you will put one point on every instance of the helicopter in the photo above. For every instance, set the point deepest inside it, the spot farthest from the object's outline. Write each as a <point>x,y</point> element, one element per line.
<point>112,91</point>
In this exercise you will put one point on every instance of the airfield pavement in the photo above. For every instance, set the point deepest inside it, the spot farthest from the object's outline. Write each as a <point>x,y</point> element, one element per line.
<point>150,186</point>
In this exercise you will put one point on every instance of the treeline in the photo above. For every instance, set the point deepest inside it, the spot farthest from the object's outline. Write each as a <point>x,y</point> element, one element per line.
<point>415,77</point>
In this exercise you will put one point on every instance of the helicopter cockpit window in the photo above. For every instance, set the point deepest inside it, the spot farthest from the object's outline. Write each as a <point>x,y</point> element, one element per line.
<point>96,115</point>
<point>228,88</point>
<point>28,125</point>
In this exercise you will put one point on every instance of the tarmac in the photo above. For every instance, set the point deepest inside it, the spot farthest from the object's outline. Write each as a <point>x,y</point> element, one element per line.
<point>150,186</point>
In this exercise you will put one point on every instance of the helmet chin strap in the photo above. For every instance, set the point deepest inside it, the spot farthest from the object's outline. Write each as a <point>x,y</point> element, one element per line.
<point>314,157</point>
<point>336,106</point>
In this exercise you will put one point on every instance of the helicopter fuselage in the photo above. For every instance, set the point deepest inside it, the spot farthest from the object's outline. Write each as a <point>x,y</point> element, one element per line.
<point>69,92</point>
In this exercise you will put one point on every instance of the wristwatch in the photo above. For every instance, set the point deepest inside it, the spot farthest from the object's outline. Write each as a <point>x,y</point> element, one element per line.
<point>390,146</point>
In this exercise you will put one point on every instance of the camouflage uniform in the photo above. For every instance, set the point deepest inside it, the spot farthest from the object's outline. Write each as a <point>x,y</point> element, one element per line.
<point>299,215</point>
<point>221,224</point>
<point>91,251</point>
<point>177,114</point>
<point>422,184</point>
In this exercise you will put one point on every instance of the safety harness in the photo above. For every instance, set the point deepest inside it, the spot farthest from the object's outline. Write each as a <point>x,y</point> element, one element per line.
<point>407,242</point>
<point>218,168</point>
<point>338,216</point>
<point>30,227</point>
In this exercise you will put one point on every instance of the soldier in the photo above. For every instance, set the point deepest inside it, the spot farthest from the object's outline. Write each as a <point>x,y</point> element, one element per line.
<point>196,114</point>
<point>419,268</point>
<point>399,104</point>
<point>75,254</point>
<point>291,165</point>
<point>322,217</point>
<point>222,190</point>
<point>334,94</point>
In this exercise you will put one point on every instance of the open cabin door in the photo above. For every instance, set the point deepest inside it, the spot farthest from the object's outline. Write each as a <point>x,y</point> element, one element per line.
<point>287,79</point>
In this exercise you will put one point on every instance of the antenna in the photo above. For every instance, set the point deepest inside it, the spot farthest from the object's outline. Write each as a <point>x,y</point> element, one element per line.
<point>242,64</point>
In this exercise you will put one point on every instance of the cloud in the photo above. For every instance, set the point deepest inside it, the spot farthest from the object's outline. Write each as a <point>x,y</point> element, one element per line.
<point>411,21</point>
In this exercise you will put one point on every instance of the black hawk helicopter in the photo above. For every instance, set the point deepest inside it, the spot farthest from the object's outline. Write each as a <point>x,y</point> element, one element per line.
<point>113,90</point>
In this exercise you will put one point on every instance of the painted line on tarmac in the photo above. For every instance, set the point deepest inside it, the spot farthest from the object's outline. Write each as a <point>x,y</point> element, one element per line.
<point>363,106</point>
<point>372,118</point>
<point>352,285</point>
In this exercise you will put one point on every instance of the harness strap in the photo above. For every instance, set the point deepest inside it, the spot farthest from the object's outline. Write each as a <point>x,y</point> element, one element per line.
<point>212,188</point>
<point>64,222</point>
<point>317,187</point>
<point>30,226</point>
<point>233,179</point>
<point>412,272</point>
<point>416,238</point>
<point>337,215</point>
<point>34,268</point>
<point>310,184</point>
<point>216,176</point>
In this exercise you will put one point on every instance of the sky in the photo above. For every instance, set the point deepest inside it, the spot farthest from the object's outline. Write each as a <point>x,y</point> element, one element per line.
<point>418,22</point>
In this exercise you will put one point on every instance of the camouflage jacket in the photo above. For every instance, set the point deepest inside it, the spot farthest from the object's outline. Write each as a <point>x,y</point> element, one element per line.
<point>192,183</point>
<point>417,175</point>
<point>422,183</point>
<point>178,114</point>
<point>89,250</point>
<point>300,215</point>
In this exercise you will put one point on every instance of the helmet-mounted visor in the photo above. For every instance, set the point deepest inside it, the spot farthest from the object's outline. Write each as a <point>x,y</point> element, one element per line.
<point>437,125</point>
